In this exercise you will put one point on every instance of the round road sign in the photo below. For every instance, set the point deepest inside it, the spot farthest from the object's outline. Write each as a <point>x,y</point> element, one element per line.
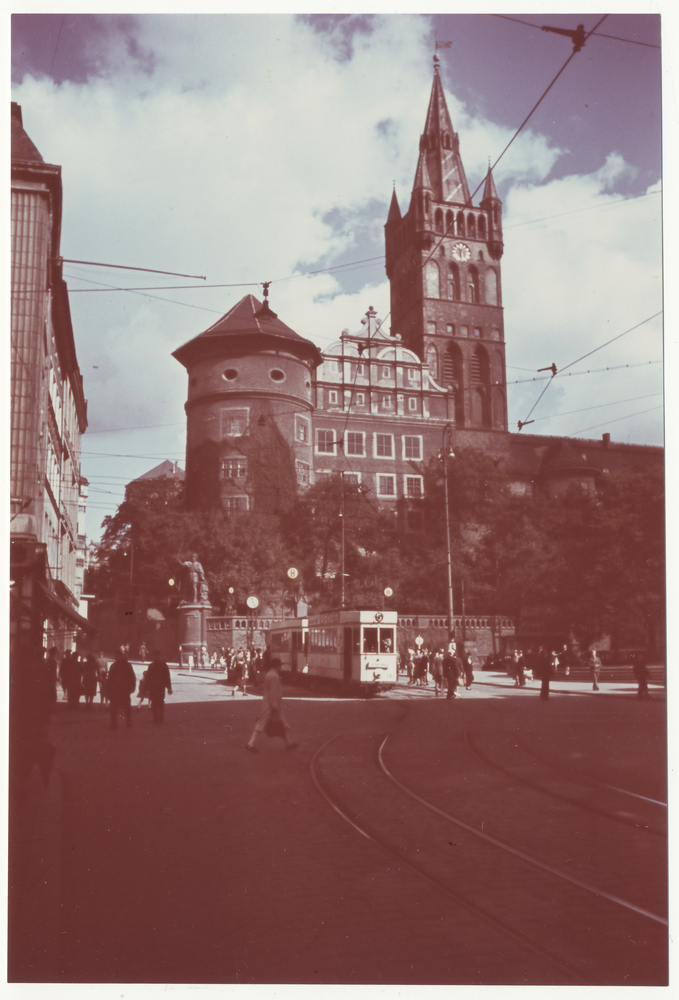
<point>293,573</point>
<point>388,591</point>
<point>418,641</point>
<point>252,602</point>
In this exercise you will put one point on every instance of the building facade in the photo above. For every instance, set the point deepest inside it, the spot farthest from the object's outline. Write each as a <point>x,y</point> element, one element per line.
<point>48,411</point>
<point>375,406</point>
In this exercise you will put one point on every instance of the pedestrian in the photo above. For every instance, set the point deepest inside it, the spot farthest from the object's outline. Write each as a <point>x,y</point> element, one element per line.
<point>89,679</point>
<point>641,673</point>
<point>410,665</point>
<point>520,666</point>
<point>69,675</point>
<point>51,666</point>
<point>594,664</point>
<point>143,652</point>
<point>143,690</point>
<point>272,709</point>
<point>102,677</point>
<point>239,674</point>
<point>121,684</point>
<point>468,670</point>
<point>545,664</point>
<point>452,668</point>
<point>437,671</point>
<point>158,681</point>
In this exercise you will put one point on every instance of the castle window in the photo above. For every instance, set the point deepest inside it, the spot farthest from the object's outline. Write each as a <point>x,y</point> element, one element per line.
<point>491,287</point>
<point>325,442</point>
<point>450,329</point>
<point>412,374</point>
<point>332,397</point>
<point>495,334</point>
<point>482,227</point>
<point>451,366</point>
<point>360,399</point>
<point>234,422</point>
<point>480,373</point>
<point>412,448</point>
<point>386,403</point>
<point>477,332</point>
<point>459,224</point>
<point>454,283</point>
<point>386,372</point>
<point>413,487</point>
<point>384,446</point>
<point>386,486</point>
<point>472,285</point>
<point>438,220</point>
<point>302,430</point>
<point>432,280</point>
<point>236,503</point>
<point>360,370</point>
<point>412,404</point>
<point>302,473</point>
<point>432,362</point>
<point>464,331</point>
<point>355,443</point>
<point>471,227</point>
<point>450,223</point>
<point>234,468</point>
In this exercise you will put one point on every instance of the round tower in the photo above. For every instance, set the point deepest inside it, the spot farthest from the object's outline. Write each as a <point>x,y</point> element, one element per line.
<point>249,434</point>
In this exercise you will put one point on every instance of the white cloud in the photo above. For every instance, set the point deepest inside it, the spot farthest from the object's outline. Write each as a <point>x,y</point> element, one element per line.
<point>218,146</point>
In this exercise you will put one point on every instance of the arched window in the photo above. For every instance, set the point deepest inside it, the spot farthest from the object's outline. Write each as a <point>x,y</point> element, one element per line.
<point>472,285</point>
<point>454,283</point>
<point>427,203</point>
<point>432,286</point>
<point>480,367</point>
<point>471,227</point>
<point>433,362</point>
<point>438,221</point>
<point>452,375</point>
<point>450,223</point>
<point>491,287</point>
<point>498,408</point>
<point>459,228</point>
<point>482,227</point>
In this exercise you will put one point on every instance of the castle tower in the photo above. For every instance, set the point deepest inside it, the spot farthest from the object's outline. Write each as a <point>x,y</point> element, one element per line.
<point>249,434</point>
<point>443,263</point>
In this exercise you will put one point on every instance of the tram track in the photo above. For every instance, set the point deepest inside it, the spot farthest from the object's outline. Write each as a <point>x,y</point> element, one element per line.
<point>478,884</point>
<point>636,821</point>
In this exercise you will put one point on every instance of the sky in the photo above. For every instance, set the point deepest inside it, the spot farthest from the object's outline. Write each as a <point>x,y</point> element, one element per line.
<point>264,147</point>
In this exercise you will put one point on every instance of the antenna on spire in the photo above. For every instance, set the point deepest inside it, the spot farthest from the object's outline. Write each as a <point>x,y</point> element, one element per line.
<point>265,286</point>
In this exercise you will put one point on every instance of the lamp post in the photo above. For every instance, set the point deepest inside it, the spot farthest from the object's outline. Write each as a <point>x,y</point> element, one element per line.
<point>448,453</point>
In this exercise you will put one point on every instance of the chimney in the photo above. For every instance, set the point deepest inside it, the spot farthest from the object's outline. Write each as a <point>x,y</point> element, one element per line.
<point>606,440</point>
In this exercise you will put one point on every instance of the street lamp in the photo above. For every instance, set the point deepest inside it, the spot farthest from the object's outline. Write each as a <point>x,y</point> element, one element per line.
<point>447,451</point>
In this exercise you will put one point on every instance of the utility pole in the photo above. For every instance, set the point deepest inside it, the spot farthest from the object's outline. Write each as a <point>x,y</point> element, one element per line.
<point>342,542</point>
<point>448,453</point>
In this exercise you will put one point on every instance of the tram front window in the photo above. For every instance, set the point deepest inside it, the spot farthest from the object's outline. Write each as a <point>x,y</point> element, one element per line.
<point>386,640</point>
<point>369,640</point>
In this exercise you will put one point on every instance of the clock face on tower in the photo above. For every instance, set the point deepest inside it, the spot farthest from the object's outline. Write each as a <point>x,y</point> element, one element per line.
<point>461,252</point>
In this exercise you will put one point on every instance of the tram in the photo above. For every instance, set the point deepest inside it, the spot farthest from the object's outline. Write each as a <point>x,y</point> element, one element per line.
<point>354,649</point>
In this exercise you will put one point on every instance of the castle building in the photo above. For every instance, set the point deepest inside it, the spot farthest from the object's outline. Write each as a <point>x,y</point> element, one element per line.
<point>48,412</point>
<point>375,406</point>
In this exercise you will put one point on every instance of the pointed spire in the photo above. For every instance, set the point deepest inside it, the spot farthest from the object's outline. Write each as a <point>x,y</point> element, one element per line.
<point>440,144</point>
<point>394,210</point>
<point>489,190</point>
<point>422,180</point>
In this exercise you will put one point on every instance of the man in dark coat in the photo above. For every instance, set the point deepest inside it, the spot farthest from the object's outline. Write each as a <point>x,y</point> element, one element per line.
<point>122,681</point>
<point>641,674</point>
<point>69,674</point>
<point>543,663</point>
<point>452,669</point>
<point>157,682</point>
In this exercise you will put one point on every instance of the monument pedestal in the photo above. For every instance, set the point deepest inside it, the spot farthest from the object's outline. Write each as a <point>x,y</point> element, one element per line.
<point>193,635</point>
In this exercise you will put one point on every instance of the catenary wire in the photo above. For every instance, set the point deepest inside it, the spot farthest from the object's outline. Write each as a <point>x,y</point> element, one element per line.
<point>615,421</point>
<point>595,34</point>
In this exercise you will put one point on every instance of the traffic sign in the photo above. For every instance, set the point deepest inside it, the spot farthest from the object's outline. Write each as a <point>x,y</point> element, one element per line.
<point>418,641</point>
<point>388,592</point>
<point>293,573</point>
<point>252,602</point>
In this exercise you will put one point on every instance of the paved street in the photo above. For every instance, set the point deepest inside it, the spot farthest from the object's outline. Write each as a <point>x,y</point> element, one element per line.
<point>169,855</point>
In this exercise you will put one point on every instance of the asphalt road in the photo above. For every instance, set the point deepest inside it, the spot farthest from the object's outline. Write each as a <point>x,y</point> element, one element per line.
<point>493,840</point>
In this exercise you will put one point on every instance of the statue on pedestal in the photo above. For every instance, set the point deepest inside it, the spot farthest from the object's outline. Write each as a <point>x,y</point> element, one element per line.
<point>194,588</point>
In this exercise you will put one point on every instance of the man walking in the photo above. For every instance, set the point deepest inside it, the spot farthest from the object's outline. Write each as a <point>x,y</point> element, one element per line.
<point>594,668</point>
<point>272,709</point>
<point>122,681</point>
<point>157,682</point>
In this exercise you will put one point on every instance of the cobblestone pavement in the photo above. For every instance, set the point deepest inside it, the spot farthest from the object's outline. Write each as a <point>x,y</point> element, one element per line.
<point>166,854</point>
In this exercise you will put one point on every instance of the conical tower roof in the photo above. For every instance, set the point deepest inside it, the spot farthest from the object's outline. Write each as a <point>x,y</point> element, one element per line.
<point>422,174</point>
<point>489,190</point>
<point>440,144</point>
<point>23,148</point>
<point>248,325</point>
<point>394,210</point>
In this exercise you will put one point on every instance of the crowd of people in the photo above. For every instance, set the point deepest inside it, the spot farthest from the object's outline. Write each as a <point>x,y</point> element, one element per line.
<point>448,669</point>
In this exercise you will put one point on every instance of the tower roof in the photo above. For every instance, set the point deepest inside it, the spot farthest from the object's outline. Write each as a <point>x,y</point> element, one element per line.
<point>440,143</point>
<point>166,468</point>
<point>489,190</point>
<point>248,325</point>
<point>422,174</point>
<point>394,210</point>
<point>22,147</point>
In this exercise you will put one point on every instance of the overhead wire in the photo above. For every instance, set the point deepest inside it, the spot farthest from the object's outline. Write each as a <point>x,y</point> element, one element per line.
<point>616,420</point>
<point>596,34</point>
